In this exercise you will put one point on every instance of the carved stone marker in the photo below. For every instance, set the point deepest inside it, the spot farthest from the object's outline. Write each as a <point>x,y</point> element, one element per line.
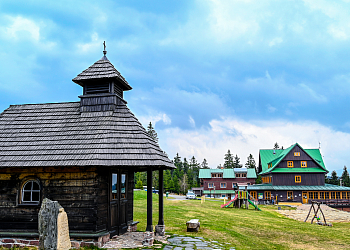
<point>53,227</point>
<point>193,225</point>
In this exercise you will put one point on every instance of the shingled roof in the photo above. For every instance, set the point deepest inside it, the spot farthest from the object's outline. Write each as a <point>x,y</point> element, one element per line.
<point>58,134</point>
<point>101,69</point>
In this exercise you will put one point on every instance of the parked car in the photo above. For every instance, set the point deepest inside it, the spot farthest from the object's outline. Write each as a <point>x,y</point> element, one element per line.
<point>190,195</point>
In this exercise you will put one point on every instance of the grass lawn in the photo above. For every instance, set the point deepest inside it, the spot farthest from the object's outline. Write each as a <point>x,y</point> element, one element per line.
<point>243,229</point>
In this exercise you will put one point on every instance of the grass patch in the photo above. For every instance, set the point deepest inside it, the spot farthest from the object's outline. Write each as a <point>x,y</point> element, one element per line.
<point>243,229</point>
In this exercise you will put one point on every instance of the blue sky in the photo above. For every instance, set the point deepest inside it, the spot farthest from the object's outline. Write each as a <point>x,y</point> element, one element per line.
<point>211,75</point>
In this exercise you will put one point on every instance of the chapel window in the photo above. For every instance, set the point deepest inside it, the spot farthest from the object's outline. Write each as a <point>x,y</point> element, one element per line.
<point>31,192</point>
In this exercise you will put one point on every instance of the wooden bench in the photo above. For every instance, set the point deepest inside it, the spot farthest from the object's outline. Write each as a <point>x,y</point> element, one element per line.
<point>193,225</point>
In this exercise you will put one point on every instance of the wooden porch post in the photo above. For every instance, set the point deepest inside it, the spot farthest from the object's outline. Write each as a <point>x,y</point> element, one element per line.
<point>149,201</point>
<point>161,191</point>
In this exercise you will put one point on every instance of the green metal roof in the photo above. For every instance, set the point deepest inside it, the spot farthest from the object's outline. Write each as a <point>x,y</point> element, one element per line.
<point>298,170</point>
<point>275,156</point>
<point>227,173</point>
<point>326,187</point>
<point>206,173</point>
<point>251,173</point>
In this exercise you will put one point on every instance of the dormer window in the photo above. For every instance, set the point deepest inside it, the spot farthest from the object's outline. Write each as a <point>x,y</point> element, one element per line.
<point>216,175</point>
<point>244,175</point>
<point>296,153</point>
<point>238,175</point>
<point>270,165</point>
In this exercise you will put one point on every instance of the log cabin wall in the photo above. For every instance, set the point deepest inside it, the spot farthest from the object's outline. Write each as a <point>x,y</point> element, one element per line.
<point>81,191</point>
<point>297,159</point>
<point>288,179</point>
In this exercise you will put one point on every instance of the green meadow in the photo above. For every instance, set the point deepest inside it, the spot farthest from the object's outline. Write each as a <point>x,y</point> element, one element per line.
<point>242,228</point>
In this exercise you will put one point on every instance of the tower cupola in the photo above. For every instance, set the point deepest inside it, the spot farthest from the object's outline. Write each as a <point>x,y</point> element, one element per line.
<point>103,86</point>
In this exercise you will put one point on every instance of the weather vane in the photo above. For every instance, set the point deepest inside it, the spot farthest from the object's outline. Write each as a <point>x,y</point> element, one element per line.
<point>104,48</point>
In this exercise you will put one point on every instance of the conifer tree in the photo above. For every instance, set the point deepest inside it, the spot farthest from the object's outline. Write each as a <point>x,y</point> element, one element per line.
<point>204,164</point>
<point>276,146</point>
<point>345,177</point>
<point>250,162</point>
<point>334,178</point>
<point>184,183</point>
<point>236,162</point>
<point>228,160</point>
<point>152,132</point>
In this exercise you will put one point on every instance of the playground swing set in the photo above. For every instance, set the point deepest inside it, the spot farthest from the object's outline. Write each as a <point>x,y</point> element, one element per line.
<point>240,199</point>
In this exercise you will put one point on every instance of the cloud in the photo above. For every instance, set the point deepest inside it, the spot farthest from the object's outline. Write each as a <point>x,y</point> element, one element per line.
<point>275,41</point>
<point>154,119</point>
<point>192,122</point>
<point>213,142</point>
<point>314,95</point>
<point>20,28</point>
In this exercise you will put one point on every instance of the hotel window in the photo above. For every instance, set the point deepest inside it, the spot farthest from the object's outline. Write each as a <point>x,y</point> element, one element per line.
<point>267,195</point>
<point>234,185</point>
<point>244,175</point>
<point>316,195</point>
<point>290,164</point>
<point>238,175</point>
<point>296,153</point>
<point>253,194</point>
<point>338,195</point>
<point>297,179</point>
<point>322,195</point>
<point>332,195</point>
<point>290,195</point>
<point>326,195</point>
<point>216,175</point>
<point>210,185</point>
<point>303,164</point>
<point>343,195</point>
<point>311,195</point>
<point>348,195</point>
<point>223,185</point>
<point>270,165</point>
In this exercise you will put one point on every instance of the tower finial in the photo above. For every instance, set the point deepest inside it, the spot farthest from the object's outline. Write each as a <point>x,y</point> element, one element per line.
<point>104,48</point>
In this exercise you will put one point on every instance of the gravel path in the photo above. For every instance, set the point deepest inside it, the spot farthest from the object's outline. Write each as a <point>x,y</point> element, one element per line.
<point>332,215</point>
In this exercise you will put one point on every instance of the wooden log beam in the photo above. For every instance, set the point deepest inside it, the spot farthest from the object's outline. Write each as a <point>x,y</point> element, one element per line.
<point>149,227</point>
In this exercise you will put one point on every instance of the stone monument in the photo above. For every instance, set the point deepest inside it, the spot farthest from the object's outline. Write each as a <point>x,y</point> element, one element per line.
<point>53,227</point>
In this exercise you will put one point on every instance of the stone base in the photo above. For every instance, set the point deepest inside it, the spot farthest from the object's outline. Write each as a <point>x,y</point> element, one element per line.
<point>132,227</point>
<point>18,243</point>
<point>160,230</point>
<point>97,242</point>
<point>148,239</point>
<point>34,242</point>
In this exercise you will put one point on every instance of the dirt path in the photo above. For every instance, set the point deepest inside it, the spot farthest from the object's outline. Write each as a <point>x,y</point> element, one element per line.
<point>332,215</point>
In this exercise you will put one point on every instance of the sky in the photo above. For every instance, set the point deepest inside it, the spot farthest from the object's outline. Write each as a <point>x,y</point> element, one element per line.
<point>210,75</point>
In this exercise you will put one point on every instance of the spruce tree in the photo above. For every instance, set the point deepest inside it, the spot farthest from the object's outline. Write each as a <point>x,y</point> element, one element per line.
<point>276,146</point>
<point>345,177</point>
<point>334,178</point>
<point>204,164</point>
<point>228,160</point>
<point>250,162</point>
<point>152,132</point>
<point>236,162</point>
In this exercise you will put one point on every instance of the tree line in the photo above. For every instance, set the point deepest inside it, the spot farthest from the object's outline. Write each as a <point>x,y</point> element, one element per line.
<point>343,180</point>
<point>186,174</point>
